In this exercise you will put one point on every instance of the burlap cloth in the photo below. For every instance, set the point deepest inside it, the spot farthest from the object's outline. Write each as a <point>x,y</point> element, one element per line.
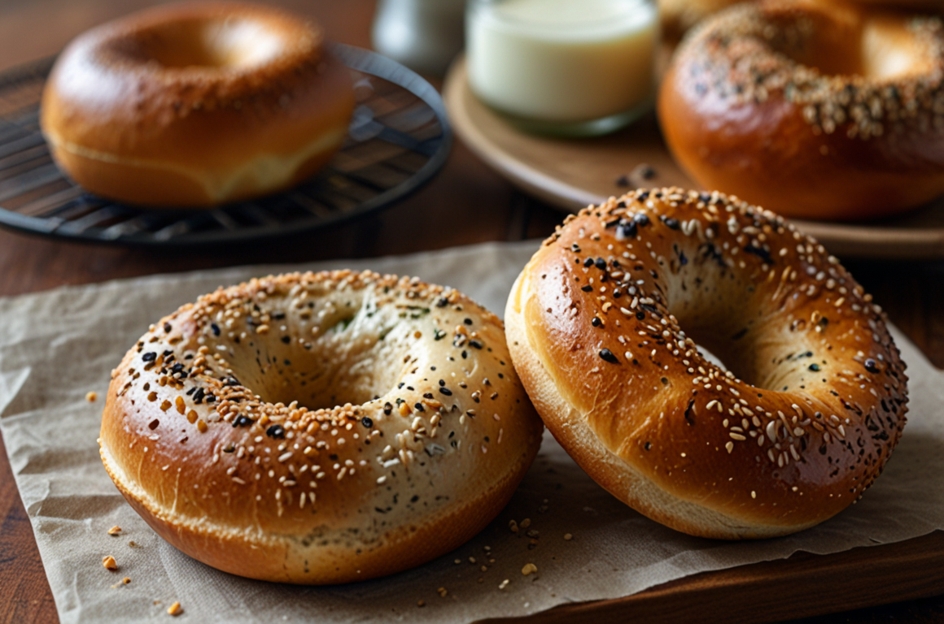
<point>57,346</point>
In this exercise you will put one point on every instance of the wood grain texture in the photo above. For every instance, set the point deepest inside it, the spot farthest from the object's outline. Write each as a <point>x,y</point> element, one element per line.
<point>468,203</point>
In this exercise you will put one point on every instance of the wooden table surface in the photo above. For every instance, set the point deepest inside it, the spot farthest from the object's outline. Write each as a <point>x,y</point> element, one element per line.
<point>466,203</point>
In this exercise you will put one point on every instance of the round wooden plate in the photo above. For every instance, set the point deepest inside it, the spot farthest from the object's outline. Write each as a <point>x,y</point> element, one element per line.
<point>572,173</point>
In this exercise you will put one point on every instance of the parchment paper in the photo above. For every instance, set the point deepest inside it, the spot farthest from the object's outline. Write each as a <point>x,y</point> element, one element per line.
<point>57,346</point>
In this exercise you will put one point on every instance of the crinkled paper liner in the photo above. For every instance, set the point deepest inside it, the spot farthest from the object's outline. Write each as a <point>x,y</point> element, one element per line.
<point>57,346</point>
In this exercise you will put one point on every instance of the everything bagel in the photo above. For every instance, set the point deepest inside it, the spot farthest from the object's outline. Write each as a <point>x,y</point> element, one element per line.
<point>604,325</point>
<point>319,428</point>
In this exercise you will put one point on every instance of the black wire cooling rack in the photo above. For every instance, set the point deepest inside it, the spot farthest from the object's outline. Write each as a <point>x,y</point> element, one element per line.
<point>398,139</point>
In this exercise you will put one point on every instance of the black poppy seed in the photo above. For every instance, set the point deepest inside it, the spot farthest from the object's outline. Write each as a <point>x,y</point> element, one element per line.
<point>641,219</point>
<point>575,248</point>
<point>210,398</point>
<point>611,224</point>
<point>286,339</point>
<point>588,262</point>
<point>446,391</point>
<point>643,196</point>
<point>871,366</point>
<point>617,293</point>
<point>442,382</point>
<point>475,344</point>
<point>419,407</point>
<point>640,315</point>
<point>399,385</point>
<point>760,252</point>
<point>671,223</point>
<point>367,422</point>
<point>189,392</point>
<point>276,431</point>
<point>427,395</point>
<point>215,328</point>
<point>467,321</point>
<point>595,321</point>
<point>628,229</point>
<point>600,263</point>
<point>814,368</point>
<point>586,288</point>
<point>150,356</point>
<point>242,421</point>
<point>167,327</point>
<point>623,181</point>
<point>387,408</point>
<point>608,356</point>
<point>438,334</point>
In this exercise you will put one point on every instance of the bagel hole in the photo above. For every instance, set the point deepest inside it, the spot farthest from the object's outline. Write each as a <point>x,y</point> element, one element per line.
<point>352,360</point>
<point>837,42</point>
<point>209,43</point>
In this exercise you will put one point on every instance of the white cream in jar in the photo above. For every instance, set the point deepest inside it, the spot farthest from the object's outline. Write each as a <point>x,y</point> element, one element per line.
<point>578,66</point>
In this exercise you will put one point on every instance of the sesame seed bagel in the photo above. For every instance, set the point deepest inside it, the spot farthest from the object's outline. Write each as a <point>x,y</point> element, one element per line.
<point>817,110</point>
<point>196,104</point>
<point>604,325</point>
<point>678,16</point>
<point>320,427</point>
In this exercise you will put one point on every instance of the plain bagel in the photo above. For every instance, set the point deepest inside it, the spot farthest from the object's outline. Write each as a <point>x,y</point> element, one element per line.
<point>815,110</point>
<point>319,428</point>
<point>196,104</point>
<point>602,325</point>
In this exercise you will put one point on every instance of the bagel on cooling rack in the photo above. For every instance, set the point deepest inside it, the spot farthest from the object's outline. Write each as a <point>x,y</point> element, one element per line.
<point>319,428</point>
<point>812,109</point>
<point>604,325</point>
<point>196,104</point>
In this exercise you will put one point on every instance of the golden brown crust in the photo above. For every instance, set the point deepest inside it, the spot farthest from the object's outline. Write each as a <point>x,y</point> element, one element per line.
<point>216,428</point>
<point>774,102</point>
<point>144,111</point>
<point>602,327</point>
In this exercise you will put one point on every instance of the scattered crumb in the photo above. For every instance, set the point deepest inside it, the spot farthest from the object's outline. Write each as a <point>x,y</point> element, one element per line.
<point>133,544</point>
<point>525,523</point>
<point>529,569</point>
<point>115,530</point>
<point>503,584</point>
<point>513,526</point>
<point>442,592</point>
<point>123,581</point>
<point>568,536</point>
<point>109,563</point>
<point>175,609</point>
<point>420,603</point>
<point>91,397</point>
<point>458,561</point>
<point>622,181</point>
<point>471,559</point>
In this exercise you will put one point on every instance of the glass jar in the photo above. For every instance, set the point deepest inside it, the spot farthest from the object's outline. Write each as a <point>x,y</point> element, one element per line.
<point>424,35</point>
<point>563,67</point>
